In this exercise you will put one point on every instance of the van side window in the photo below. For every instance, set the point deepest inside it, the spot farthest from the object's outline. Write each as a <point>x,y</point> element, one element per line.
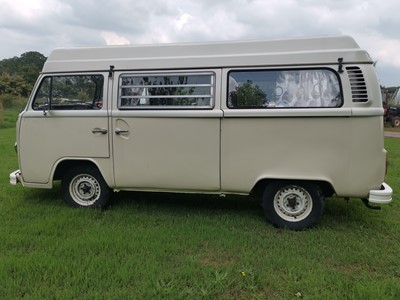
<point>308,88</point>
<point>72,92</point>
<point>166,91</point>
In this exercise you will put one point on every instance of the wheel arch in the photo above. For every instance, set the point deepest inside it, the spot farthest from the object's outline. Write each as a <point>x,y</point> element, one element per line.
<point>64,165</point>
<point>325,186</point>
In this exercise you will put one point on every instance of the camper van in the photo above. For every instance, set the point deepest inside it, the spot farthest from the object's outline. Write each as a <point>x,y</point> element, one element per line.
<point>292,121</point>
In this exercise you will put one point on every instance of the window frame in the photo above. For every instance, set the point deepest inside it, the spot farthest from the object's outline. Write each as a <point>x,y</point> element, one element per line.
<point>211,96</point>
<point>49,106</point>
<point>266,108</point>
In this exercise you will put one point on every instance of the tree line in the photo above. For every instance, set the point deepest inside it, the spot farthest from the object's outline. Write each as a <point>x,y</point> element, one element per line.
<point>18,74</point>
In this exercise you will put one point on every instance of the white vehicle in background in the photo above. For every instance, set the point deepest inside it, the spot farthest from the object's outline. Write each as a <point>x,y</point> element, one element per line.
<point>295,120</point>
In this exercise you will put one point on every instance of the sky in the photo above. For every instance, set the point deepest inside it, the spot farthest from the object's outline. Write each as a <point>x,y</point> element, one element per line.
<point>42,25</point>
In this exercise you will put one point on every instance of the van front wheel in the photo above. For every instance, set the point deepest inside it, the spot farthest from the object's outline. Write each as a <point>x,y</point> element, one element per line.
<point>293,205</point>
<point>85,187</point>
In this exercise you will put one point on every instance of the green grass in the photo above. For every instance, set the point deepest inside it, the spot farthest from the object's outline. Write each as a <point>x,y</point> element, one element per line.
<point>8,118</point>
<point>168,246</point>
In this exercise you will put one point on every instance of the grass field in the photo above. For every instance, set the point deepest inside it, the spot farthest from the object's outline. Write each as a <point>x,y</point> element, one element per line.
<point>7,118</point>
<point>167,246</point>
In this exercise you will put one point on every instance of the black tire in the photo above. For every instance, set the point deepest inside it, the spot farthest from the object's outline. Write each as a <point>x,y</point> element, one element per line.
<point>293,205</point>
<point>84,186</point>
<point>395,122</point>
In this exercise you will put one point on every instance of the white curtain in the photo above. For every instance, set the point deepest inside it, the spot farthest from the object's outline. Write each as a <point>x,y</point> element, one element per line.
<point>307,88</point>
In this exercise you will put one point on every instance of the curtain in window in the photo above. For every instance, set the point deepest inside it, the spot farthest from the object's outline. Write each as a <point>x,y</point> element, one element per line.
<point>307,88</point>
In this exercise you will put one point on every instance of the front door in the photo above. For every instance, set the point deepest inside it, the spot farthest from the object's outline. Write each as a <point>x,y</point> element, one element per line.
<point>67,119</point>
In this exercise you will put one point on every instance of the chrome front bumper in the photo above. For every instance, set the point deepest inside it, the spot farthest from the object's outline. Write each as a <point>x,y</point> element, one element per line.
<point>382,196</point>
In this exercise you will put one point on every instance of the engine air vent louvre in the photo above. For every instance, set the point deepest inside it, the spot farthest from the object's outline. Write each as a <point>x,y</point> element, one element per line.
<point>357,83</point>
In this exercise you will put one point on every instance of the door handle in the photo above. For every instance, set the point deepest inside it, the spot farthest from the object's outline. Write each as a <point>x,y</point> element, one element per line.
<point>100,130</point>
<point>120,131</point>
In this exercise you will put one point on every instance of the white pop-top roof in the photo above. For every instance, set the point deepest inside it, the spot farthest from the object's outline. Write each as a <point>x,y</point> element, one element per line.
<point>283,52</point>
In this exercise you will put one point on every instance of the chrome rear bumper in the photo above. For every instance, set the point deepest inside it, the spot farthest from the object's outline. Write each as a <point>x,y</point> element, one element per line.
<point>15,177</point>
<point>382,196</point>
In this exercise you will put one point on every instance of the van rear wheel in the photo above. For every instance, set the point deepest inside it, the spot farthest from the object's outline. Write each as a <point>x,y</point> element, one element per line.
<point>84,186</point>
<point>293,205</point>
